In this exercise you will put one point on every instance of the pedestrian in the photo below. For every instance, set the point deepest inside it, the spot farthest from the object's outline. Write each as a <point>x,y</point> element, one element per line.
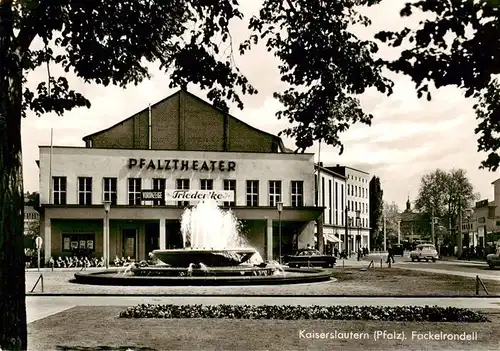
<point>390,253</point>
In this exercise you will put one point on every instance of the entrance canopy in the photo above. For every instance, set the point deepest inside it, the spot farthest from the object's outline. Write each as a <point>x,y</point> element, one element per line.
<point>328,238</point>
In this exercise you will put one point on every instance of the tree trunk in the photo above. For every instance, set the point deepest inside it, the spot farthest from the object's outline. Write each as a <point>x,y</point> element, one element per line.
<point>13,331</point>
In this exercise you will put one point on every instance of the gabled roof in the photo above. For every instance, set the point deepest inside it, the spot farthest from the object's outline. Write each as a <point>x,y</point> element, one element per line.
<point>277,138</point>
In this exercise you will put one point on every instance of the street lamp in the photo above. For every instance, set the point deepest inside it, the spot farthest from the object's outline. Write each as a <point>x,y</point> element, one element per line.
<point>107,207</point>
<point>279,207</point>
<point>468,215</point>
<point>358,220</point>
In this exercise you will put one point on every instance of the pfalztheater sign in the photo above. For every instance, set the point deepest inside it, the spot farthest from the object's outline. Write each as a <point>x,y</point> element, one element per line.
<point>181,165</point>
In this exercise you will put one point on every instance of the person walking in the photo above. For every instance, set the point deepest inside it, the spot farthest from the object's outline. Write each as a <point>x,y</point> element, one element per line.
<point>390,252</point>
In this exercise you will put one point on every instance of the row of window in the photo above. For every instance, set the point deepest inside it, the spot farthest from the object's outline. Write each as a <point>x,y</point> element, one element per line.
<point>110,192</point>
<point>357,205</point>
<point>31,215</point>
<point>357,179</point>
<point>357,191</point>
<point>334,207</point>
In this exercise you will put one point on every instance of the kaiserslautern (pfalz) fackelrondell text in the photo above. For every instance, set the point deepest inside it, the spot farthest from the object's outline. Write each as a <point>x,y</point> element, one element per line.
<point>388,335</point>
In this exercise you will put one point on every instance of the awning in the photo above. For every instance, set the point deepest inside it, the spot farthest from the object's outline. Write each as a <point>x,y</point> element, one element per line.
<point>328,237</point>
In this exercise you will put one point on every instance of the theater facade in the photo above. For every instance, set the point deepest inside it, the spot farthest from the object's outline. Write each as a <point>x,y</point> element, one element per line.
<point>167,157</point>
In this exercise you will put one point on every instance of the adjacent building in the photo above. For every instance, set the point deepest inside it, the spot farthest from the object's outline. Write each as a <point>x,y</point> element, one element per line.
<point>178,147</point>
<point>331,195</point>
<point>485,220</point>
<point>349,194</point>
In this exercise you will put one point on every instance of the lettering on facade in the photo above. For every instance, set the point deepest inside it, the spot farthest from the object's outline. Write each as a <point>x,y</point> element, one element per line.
<point>199,195</point>
<point>182,165</point>
<point>151,195</point>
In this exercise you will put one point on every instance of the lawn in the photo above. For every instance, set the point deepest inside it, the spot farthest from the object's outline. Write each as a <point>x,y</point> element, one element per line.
<point>350,282</point>
<point>99,328</point>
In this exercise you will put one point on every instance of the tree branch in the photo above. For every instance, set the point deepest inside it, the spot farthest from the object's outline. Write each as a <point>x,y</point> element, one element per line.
<point>28,26</point>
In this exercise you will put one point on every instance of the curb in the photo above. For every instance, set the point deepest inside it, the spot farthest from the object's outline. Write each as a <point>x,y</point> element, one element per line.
<point>265,295</point>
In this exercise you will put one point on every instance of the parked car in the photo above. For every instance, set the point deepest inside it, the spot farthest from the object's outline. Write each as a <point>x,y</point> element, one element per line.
<point>424,252</point>
<point>398,250</point>
<point>309,258</point>
<point>493,259</point>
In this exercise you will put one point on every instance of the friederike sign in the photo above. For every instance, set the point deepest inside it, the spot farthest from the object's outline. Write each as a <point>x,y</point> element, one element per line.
<point>181,165</point>
<point>199,195</point>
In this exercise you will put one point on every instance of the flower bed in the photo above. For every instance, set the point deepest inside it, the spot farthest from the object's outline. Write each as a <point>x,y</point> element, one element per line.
<point>401,314</point>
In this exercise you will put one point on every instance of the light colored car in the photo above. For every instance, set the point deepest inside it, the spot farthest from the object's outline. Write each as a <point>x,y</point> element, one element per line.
<point>424,252</point>
<point>493,259</point>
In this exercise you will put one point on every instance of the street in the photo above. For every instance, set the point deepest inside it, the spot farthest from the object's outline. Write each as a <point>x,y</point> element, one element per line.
<point>453,267</point>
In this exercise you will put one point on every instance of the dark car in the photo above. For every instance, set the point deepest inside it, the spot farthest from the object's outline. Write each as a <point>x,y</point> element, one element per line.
<point>309,258</point>
<point>398,250</point>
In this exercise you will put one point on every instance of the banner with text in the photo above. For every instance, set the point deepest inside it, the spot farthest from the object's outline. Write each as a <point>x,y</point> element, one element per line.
<point>199,195</point>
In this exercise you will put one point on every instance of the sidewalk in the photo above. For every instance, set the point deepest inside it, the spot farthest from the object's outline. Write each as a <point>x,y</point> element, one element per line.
<point>455,260</point>
<point>39,307</point>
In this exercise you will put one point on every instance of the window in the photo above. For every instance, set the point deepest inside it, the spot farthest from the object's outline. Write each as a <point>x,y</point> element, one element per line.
<point>348,189</point>
<point>206,184</point>
<point>343,203</point>
<point>84,191</point>
<point>274,192</point>
<point>323,192</point>
<point>356,190</point>
<point>297,193</point>
<point>78,242</point>
<point>59,190</point>
<point>159,184</point>
<point>329,201</point>
<point>336,203</point>
<point>316,190</point>
<point>230,184</point>
<point>134,191</point>
<point>110,193</point>
<point>252,193</point>
<point>182,184</point>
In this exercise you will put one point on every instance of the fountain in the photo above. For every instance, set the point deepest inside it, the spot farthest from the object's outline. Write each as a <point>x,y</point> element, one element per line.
<point>210,236</point>
<point>215,253</point>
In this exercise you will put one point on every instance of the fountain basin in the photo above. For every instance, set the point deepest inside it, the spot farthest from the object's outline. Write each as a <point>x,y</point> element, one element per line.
<point>114,276</point>
<point>211,258</point>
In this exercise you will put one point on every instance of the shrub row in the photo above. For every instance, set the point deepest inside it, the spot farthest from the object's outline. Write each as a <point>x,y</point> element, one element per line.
<point>403,313</point>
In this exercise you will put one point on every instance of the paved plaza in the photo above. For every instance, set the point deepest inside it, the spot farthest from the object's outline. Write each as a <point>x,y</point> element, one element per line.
<point>56,304</point>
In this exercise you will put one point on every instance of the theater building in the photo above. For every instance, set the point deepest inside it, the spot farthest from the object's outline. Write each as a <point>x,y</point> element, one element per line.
<point>184,148</point>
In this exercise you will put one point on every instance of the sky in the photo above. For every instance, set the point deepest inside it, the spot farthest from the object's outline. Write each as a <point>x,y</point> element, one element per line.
<point>408,138</point>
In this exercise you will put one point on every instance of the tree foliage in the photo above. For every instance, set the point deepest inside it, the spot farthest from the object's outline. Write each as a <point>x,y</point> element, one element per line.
<point>101,42</point>
<point>376,207</point>
<point>392,217</point>
<point>32,199</point>
<point>457,46</point>
<point>323,63</point>
<point>445,193</point>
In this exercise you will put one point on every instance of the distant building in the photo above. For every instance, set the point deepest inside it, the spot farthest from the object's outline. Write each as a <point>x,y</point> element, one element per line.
<point>31,221</point>
<point>486,219</point>
<point>411,225</point>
